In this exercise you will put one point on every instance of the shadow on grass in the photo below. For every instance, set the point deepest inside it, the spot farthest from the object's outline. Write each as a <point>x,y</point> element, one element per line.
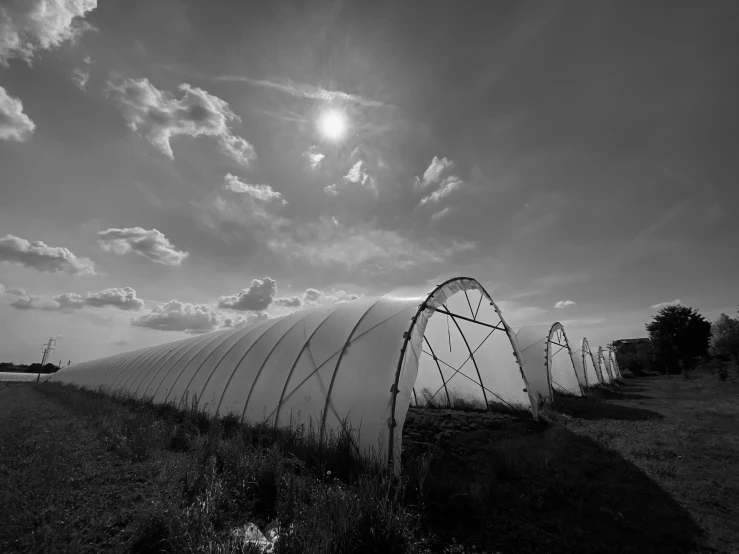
<point>592,407</point>
<point>545,490</point>
<point>622,394</point>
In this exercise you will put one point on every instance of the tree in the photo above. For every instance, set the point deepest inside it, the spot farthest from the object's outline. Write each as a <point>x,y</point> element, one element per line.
<point>634,355</point>
<point>725,337</point>
<point>679,336</point>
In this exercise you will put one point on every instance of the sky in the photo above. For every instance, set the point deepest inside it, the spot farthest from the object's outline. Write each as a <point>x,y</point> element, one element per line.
<point>175,167</point>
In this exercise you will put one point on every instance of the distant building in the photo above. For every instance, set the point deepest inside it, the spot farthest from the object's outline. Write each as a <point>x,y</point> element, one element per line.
<point>634,342</point>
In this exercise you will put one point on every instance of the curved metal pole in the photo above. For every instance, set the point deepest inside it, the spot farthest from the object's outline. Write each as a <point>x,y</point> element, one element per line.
<point>433,355</point>
<point>482,387</point>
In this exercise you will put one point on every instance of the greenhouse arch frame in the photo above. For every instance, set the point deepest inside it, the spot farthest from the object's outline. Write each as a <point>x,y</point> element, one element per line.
<point>541,361</point>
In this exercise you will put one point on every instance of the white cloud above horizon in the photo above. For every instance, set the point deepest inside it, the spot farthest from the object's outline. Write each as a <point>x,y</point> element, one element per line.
<point>661,305</point>
<point>159,116</point>
<point>15,125</point>
<point>264,193</point>
<point>44,258</point>
<point>31,26</point>
<point>151,244</point>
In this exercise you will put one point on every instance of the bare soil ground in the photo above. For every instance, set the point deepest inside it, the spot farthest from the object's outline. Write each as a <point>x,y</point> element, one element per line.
<point>652,466</point>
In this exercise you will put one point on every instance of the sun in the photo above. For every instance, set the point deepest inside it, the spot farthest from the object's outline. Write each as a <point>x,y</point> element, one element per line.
<point>332,124</point>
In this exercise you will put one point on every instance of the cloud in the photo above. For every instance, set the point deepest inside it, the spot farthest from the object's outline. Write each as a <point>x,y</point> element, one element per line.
<point>179,316</point>
<point>661,305</point>
<point>240,216</point>
<point>565,304</point>
<point>39,256</point>
<point>121,342</point>
<point>159,116</point>
<point>376,251</point>
<point>24,301</point>
<point>265,193</point>
<point>256,298</point>
<point>261,294</point>
<point>14,124</point>
<point>432,173</point>
<point>448,186</point>
<point>314,158</point>
<point>238,148</point>
<point>315,297</point>
<point>441,214</point>
<point>81,75</point>
<point>300,90</point>
<point>151,244</point>
<point>234,322</point>
<point>288,302</point>
<point>121,298</point>
<point>70,301</point>
<point>357,174</point>
<point>27,26</point>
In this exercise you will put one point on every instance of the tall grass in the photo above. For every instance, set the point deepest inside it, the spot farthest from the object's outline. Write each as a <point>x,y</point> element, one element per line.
<point>470,404</point>
<point>216,474</point>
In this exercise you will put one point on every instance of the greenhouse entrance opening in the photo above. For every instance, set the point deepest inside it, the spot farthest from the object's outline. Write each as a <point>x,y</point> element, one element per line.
<point>467,360</point>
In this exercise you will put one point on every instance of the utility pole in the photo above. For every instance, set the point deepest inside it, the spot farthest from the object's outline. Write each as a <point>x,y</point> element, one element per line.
<point>48,349</point>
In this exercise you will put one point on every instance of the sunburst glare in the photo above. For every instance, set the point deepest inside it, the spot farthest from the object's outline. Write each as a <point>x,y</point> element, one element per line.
<point>332,125</point>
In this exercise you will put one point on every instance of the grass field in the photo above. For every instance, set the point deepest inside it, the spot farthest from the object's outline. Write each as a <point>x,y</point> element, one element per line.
<point>652,466</point>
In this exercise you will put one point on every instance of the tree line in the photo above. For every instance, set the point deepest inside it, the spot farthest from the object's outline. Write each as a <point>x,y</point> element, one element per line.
<point>679,340</point>
<point>10,367</point>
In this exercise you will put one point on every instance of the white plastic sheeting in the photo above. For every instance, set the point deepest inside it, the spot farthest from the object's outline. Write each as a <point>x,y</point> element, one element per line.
<point>578,360</point>
<point>605,369</point>
<point>585,364</point>
<point>20,377</point>
<point>358,361</point>
<point>613,364</point>
<point>548,362</point>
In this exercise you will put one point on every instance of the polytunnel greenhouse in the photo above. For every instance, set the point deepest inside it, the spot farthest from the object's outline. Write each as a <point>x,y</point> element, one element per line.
<point>548,362</point>
<point>585,364</point>
<point>363,362</point>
